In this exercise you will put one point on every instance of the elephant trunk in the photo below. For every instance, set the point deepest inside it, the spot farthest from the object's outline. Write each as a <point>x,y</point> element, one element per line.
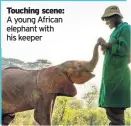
<point>95,58</point>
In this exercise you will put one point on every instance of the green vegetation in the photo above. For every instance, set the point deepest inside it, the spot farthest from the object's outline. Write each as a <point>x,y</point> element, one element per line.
<point>70,111</point>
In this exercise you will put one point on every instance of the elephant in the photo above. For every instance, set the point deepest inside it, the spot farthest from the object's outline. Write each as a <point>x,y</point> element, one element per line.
<point>37,89</point>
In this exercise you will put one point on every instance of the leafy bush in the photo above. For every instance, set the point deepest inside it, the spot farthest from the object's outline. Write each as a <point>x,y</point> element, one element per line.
<point>67,114</point>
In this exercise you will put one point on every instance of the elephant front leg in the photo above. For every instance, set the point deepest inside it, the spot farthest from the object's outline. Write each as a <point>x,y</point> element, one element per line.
<point>42,111</point>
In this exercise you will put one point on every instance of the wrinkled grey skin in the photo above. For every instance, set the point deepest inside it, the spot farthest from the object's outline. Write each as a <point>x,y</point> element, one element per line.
<point>37,89</point>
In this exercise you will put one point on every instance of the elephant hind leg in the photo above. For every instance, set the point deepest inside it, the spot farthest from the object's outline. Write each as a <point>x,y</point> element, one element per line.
<point>7,118</point>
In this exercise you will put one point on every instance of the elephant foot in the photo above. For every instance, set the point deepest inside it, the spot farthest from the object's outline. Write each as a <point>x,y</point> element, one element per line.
<point>7,118</point>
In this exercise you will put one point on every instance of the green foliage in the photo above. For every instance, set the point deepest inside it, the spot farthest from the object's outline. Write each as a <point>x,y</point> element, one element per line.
<point>77,115</point>
<point>128,116</point>
<point>24,118</point>
<point>76,104</point>
<point>66,114</point>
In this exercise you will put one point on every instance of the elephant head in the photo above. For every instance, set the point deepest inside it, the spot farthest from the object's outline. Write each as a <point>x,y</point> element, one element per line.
<point>60,79</point>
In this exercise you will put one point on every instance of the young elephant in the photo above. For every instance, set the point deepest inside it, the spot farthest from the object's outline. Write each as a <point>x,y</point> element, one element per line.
<point>37,89</point>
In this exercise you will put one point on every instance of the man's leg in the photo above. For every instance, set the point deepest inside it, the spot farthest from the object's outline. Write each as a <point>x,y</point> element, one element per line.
<point>116,116</point>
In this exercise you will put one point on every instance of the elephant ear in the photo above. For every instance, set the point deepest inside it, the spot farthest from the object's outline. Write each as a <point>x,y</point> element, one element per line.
<point>83,77</point>
<point>79,77</point>
<point>53,80</point>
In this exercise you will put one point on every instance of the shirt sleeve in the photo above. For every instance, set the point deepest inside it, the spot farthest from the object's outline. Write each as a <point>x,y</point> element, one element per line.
<point>121,45</point>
